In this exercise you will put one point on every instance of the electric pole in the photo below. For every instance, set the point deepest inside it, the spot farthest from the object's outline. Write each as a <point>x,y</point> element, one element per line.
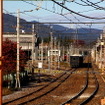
<point>1,39</point>
<point>51,46</point>
<point>18,35</point>
<point>42,51</point>
<point>59,54</point>
<point>33,43</point>
<point>33,49</point>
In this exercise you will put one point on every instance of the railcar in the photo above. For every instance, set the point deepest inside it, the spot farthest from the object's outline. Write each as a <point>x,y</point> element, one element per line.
<point>76,60</point>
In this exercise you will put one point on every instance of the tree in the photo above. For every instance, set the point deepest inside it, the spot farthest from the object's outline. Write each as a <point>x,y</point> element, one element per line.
<point>10,56</point>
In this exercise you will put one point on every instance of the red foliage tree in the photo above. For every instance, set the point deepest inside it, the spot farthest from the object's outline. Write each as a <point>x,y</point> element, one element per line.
<point>10,57</point>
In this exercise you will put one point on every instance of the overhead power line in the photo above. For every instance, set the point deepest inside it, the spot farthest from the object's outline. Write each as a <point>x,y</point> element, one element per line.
<point>48,10</point>
<point>62,23</point>
<point>96,5</point>
<point>88,3</point>
<point>77,12</point>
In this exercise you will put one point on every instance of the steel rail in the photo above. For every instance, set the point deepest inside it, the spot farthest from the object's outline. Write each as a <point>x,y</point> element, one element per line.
<point>35,91</point>
<point>94,92</point>
<point>78,94</point>
<point>35,98</point>
<point>12,101</point>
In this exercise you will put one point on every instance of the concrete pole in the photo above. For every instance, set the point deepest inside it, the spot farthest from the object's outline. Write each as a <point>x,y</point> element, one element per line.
<point>51,45</point>
<point>101,58</point>
<point>55,57</point>
<point>42,51</point>
<point>96,54</point>
<point>1,37</point>
<point>63,52</point>
<point>33,49</point>
<point>18,31</point>
<point>68,54</point>
<point>49,59</point>
<point>33,44</point>
<point>58,54</point>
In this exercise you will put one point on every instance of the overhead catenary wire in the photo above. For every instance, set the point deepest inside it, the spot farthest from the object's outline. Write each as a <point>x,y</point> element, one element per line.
<point>71,22</point>
<point>59,13</point>
<point>24,12</point>
<point>85,16</point>
<point>93,5</point>
<point>78,3</point>
<point>96,5</point>
<point>89,4</point>
<point>80,12</point>
<point>63,15</point>
<point>102,22</point>
<point>48,10</point>
<point>55,12</point>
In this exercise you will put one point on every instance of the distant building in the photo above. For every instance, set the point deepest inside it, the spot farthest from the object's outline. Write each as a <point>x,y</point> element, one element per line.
<point>98,52</point>
<point>25,40</point>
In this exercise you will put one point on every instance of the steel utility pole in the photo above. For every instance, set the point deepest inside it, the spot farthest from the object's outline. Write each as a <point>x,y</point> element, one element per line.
<point>18,35</point>
<point>1,37</point>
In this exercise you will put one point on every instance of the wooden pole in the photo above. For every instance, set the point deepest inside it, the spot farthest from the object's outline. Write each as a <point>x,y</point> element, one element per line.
<point>1,37</point>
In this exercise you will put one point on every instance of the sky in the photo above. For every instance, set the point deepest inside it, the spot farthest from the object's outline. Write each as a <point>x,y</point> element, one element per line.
<point>41,11</point>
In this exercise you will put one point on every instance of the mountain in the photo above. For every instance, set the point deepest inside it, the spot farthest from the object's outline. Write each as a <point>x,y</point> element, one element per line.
<point>44,30</point>
<point>10,23</point>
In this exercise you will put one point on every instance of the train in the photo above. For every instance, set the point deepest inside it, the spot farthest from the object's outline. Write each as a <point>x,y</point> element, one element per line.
<point>76,60</point>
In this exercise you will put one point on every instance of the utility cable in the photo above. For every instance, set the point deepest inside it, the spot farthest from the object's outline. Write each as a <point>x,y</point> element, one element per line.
<point>96,5</point>
<point>91,5</point>
<point>48,10</point>
<point>77,12</point>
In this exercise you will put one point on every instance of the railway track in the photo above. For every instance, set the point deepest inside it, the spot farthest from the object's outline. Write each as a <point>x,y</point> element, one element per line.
<point>40,92</point>
<point>91,87</point>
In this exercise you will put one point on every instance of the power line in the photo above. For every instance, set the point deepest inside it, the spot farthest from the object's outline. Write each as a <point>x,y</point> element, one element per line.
<point>24,12</point>
<point>62,23</point>
<point>90,4</point>
<point>96,5</point>
<point>54,11</point>
<point>48,10</point>
<point>77,12</point>
<point>31,16</point>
